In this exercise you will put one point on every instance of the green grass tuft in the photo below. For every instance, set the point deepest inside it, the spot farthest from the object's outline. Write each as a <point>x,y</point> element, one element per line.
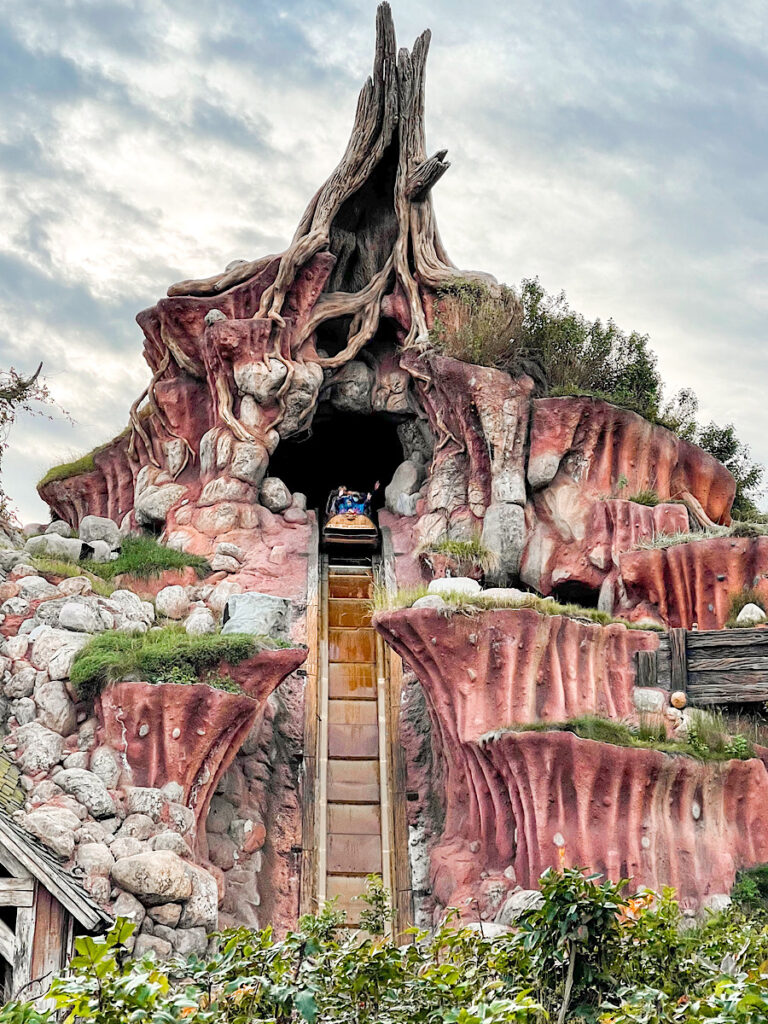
<point>85,464</point>
<point>736,529</point>
<point>162,655</point>
<point>466,553</point>
<point>647,497</point>
<point>740,599</point>
<point>705,742</point>
<point>144,557</point>
<point>458,603</point>
<point>55,567</point>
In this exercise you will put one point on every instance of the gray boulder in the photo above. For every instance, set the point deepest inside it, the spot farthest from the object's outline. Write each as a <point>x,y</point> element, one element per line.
<point>455,585</point>
<point>55,827</point>
<point>51,545</point>
<point>504,535</point>
<point>55,710</point>
<point>60,527</point>
<point>352,387</point>
<point>88,788</point>
<point>40,748</point>
<point>750,615</point>
<point>157,876</point>
<point>274,495</point>
<point>257,614</point>
<point>100,528</point>
<point>517,903</point>
<point>407,480</point>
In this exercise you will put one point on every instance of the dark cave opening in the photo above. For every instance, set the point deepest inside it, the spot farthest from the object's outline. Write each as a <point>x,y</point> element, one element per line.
<point>573,592</point>
<point>341,448</point>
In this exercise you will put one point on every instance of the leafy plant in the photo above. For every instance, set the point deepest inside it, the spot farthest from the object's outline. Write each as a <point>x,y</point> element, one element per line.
<point>478,325</point>
<point>161,655</point>
<point>378,912</point>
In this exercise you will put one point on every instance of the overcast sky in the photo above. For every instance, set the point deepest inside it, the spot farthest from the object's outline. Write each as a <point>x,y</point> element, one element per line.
<point>615,149</point>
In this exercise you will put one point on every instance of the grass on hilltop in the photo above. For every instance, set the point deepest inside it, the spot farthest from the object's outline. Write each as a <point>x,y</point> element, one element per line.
<point>144,557</point>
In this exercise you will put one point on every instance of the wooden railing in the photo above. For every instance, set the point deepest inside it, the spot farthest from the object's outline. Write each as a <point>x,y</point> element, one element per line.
<point>719,666</point>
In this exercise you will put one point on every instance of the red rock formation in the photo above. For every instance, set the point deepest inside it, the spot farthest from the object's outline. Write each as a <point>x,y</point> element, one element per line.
<point>656,818</point>
<point>188,734</point>
<point>486,671</point>
<point>691,582</point>
<point>583,451</point>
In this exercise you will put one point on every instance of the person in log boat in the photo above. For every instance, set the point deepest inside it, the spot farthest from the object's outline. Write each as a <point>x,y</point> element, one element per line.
<point>349,518</point>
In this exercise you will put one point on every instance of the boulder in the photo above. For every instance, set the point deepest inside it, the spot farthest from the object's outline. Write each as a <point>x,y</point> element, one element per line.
<point>257,614</point>
<point>39,749</point>
<point>100,528</point>
<point>89,789</point>
<point>455,585</point>
<point>51,545</point>
<point>200,621</point>
<point>55,827</point>
<point>98,551</point>
<point>75,585</point>
<point>157,876</point>
<point>517,903</point>
<point>274,495</point>
<point>172,602</point>
<point>750,615</point>
<point>220,595</point>
<point>81,616</point>
<point>187,941</point>
<point>55,709</point>
<point>59,527</point>
<point>128,906</point>
<point>407,480</point>
<point>201,908</point>
<point>429,601</point>
<point>504,535</point>
<point>94,859</point>
<point>152,944</point>
<point>21,684</point>
<point>35,588</point>
<point>105,764</point>
<point>352,387</point>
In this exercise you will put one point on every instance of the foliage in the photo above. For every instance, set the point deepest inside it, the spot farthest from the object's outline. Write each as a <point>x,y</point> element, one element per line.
<point>470,604</point>
<point>751,887</point>
<point>589,952</point>
<point>18,394</point>
<point>476,325</point>
<point>161,655</point>
<point>378,911</point>
<point>466,553</point>
<point>736,529</point>
<point>143,556</point>
<point>707,738</point>
<point>646,497</point>
<point>84,464</point>
<point>679,415</point>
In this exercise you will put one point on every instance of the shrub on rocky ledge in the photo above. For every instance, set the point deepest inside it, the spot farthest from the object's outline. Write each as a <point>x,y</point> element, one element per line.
<point>168,655</point>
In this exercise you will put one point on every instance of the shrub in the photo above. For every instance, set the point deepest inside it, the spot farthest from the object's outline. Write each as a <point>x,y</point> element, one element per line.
<point>161,655</point>
<point>478,326</point>
<point>751,886</point>
<point>143,556</point>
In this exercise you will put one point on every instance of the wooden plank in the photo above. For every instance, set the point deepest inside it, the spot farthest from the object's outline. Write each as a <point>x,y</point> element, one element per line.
<point>698,640</point>
<point>17,892</point>
<point>678,659</point>
<point>347,645</point>
<point>7,943</point>
<point>64,890</point>
<point>733,688</point>
<point>22,959</point>
<point>645,673</point>
<point>736,663</point>
<point>309,779</point>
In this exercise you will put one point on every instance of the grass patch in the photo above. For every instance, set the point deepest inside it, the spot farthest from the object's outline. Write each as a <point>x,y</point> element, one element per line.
<point>705,742</point>
<point>477,326</point>
<point>469,604</point>
<point>466,553</point>
<point>85,464</point>
<point>739,600</point>
<point>67,570</point>
<point>145,557</point>
<point>647,497</point>
<point>168,655</point>
<point>736,529</point>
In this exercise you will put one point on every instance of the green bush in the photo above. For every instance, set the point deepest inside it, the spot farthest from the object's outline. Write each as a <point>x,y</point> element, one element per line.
<point>646,497</point>
<point>161,655</point>
<point>477,326</point>
<point>590,952</point>
<point>143,556</point>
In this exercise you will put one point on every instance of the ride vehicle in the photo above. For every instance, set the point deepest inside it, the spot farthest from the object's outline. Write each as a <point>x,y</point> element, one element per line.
<point>349,519</point>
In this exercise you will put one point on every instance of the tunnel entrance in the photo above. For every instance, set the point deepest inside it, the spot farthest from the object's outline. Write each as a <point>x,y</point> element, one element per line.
<point>573,592</point>
<point>341,448</point>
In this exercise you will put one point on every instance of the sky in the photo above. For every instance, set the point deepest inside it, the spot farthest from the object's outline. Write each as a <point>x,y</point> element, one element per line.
<point>616,150</point>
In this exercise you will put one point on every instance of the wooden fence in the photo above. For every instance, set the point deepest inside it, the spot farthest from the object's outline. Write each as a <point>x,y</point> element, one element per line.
<point>720,666</point>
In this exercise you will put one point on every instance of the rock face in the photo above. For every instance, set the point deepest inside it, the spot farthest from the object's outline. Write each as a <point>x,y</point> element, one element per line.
<point>513,800</point>
<point>691,583</point>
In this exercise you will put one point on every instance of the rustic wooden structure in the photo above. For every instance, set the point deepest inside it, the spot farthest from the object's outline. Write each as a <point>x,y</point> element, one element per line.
<point>720,666</point>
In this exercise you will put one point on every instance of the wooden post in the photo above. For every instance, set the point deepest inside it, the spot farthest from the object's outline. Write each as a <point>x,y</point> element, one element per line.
<point>646,673</point>
<point>678,659</point>
<point>308,883</point>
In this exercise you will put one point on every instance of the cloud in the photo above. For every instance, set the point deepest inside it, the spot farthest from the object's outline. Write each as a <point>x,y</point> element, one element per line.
<point>616,149</point>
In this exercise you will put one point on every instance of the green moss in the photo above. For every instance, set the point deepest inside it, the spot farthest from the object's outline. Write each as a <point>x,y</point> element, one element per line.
<point>85,464</point>
<point>703,746</point>
<point>161,655</point>
<point>144,557</point>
